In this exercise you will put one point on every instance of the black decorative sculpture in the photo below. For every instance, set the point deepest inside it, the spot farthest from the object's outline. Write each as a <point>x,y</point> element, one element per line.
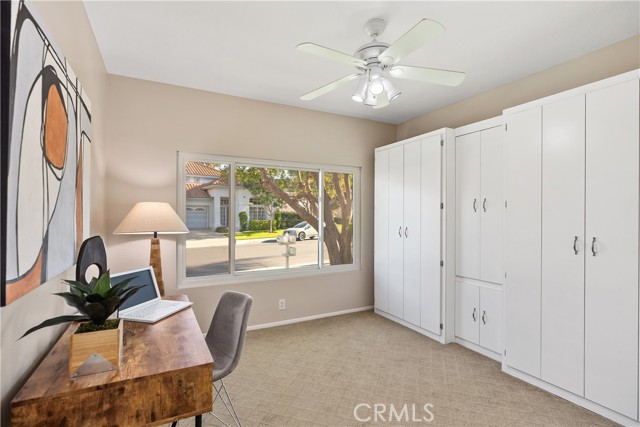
<point>92,252</point>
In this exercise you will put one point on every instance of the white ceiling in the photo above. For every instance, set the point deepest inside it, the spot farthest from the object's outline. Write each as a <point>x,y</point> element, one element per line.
<point>247,49</point>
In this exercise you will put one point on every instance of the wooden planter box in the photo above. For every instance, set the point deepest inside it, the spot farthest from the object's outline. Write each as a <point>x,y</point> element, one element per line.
<point>93,352</point>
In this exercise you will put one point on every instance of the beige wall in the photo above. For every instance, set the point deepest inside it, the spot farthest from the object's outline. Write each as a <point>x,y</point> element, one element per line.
<point>150,122</point>
<point>610,61</point>
<point>69,27</point>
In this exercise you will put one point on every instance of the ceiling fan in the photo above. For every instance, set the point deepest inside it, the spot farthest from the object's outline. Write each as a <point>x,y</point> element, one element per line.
<point>377,61</point>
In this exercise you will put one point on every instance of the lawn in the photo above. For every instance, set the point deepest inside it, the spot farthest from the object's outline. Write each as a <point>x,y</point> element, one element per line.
<point>261,234</point>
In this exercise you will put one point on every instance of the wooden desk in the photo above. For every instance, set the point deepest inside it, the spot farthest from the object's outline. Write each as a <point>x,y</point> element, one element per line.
<point>165,375</point>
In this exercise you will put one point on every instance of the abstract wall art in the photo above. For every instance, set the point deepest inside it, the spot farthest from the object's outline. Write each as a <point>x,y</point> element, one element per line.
<point>46,149</point>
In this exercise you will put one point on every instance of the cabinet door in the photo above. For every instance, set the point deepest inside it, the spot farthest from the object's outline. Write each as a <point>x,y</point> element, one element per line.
<point>381,232</point>
<point>523,240</point>
<point>611,276</point>
<point>468,205</point>
<point>467,312</point>
<point>430,234</point>
<point>395,230</point>
<point>491,319</point>
<point>411,232</point>
<point>490,205</point>
<point>563,151</point>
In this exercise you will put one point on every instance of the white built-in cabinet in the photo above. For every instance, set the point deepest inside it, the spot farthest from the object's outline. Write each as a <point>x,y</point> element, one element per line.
<point>571,245</point>
<point>413,240</point>
<point>479,208</point>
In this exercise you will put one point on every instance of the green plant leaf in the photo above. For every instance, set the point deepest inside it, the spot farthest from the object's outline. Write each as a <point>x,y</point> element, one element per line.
<point>79,286</point>
<point>129,292</point>
<point>54,321</point>
<point>76,301</point>
<point>111,304</point>
<point>104,284</point>
<point>96,311</point>
<point>118,289</point>
<point>94,297</point>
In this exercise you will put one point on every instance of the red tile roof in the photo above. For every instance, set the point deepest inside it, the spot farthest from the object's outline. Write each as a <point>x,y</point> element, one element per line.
<point>199,169</point>
<point>195,190</point>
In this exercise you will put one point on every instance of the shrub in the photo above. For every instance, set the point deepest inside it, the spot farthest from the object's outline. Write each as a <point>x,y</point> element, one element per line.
<point>222,229</point>
<point>337,220</point>
<point>243,220</point>
<point>289,219</point>
<point>277,220</point>
<point>259,224</point>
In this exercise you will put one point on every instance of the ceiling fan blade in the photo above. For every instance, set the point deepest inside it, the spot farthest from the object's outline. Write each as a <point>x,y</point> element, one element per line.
<point>383,101</point>
<point>329,87</point>
<point>331,54</point>
<point>416,37</point>
<point>428,75</point>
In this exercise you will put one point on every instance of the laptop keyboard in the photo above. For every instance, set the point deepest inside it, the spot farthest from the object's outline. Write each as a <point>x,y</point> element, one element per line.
<point>154,310</point>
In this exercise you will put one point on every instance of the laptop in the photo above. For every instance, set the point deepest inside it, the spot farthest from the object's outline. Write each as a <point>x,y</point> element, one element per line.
<point>145,305</point>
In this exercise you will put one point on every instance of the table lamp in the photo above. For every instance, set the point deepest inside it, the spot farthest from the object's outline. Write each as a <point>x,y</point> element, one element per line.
<point>152,218</point>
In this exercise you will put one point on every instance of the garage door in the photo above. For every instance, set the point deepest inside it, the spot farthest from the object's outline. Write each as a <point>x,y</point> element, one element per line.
<point>197,217</point>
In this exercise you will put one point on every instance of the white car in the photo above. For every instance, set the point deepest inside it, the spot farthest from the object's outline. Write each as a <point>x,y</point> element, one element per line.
<point>302,230</point>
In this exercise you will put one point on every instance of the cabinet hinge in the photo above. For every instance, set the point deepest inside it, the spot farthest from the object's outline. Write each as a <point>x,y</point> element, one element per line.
<point>441,205</point>
<point>506,127</point>
<point>505,204</point>
<point>505,351</point>
<point>441,326</point>
<point>441,263</point>
<point>505,274</point>
<point>441,142</point>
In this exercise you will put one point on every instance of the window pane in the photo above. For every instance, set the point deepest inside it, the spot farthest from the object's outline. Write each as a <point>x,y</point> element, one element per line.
<point>338,229</point>
<point>275,200</point>
<point>207,210</point>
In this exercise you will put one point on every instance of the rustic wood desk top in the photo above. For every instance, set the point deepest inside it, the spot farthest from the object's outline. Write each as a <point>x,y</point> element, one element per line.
<point>165,375</point>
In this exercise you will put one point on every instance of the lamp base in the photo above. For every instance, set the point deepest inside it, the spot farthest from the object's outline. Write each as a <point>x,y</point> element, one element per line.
<point>155,261</point>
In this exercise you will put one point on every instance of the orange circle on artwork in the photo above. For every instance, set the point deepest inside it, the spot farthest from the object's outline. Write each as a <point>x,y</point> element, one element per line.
<point>55,129</point>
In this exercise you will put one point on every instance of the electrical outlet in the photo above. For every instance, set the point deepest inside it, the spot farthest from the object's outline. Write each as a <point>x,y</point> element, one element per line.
<point>282,304</point>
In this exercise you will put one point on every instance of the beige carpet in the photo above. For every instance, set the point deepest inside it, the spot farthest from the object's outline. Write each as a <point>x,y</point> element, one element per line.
<point>316,373</point>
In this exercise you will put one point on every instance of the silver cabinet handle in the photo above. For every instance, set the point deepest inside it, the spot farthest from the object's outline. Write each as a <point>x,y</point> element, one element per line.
<point>575,245</point>
<point>474,205</point>
<point>474,314</point>
<point>484,204</point>
<point>484,314</point>
<point>406,232</point>
<point>593,246</point>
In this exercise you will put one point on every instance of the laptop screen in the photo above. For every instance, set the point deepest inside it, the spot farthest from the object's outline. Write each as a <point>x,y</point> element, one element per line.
<point>141,277</point>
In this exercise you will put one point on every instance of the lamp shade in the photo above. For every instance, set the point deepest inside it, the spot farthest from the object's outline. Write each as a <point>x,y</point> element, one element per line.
<point>151,218</point>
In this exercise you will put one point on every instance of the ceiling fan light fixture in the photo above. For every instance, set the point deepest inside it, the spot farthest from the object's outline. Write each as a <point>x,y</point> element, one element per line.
<point>371,100</point>
<point>392,92</point>
<point>376,87</point>
<point>361,91</point>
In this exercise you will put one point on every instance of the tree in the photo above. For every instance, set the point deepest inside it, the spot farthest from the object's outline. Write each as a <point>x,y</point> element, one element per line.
<point>299,190</point>
<point>248,177</point>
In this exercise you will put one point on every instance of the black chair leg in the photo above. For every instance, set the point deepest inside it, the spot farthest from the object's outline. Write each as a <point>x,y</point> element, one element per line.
<point>199,420</point>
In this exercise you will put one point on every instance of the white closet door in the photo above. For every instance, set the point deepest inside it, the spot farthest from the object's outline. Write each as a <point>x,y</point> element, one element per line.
<point>563,151</point>
<point>490,205</point>
<point>396,236</point>
<point>490,319</point>
<point>523,238</point>
<point>430,232</point>
<point>467,312</point>
<point>411,232</point>
<point>468,205</point>
<point>611,292</point>
<point>381,234</point>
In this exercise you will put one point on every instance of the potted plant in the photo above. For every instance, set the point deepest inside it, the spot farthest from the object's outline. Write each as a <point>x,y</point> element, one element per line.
<point>98,340</point>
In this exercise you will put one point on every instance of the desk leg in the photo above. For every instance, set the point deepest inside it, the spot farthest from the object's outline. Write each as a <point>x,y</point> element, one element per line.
<point>199,420</point>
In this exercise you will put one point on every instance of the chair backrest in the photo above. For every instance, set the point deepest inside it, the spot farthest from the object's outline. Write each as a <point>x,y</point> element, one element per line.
<point>229,325</point>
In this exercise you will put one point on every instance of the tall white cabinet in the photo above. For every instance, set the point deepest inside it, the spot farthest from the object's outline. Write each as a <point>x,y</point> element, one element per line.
<point>571,245</point>
<point>479,208</point>
<point>414,231</point>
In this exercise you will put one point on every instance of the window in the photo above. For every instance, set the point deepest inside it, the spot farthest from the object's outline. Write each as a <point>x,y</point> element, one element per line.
<point>268,201</point>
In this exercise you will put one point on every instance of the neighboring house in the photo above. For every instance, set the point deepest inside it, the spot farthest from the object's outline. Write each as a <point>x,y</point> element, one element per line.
<point>208,199</point>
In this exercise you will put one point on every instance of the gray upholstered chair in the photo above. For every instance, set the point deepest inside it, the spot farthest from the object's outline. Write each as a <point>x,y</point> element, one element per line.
<point>225,339</point>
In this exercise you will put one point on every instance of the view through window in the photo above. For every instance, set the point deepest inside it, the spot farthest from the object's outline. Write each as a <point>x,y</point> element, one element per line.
<point>270,221</point>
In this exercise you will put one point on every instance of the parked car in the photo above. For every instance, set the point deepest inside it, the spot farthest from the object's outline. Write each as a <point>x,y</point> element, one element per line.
<point>302,230</point>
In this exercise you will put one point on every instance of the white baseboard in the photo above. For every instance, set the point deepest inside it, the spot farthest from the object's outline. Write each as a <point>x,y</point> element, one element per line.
<point>578,400</point>
<point>307,318</point>
<point>478,349</point>
<point>428,334</point>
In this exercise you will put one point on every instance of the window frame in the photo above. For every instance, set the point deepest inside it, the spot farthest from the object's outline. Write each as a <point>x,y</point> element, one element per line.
<point>184,282</point>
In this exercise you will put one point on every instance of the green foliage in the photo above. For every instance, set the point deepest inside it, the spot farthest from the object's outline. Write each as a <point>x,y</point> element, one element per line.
<point>258,224</point>
<point>277,220</point>
<point>244,218</point>
<point>289,219</point>
<point>337,220</point>
<point>222,229</point>
<point>95,301</point>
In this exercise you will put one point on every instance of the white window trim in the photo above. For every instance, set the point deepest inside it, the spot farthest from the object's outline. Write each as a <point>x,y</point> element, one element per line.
<point>234,277</point>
